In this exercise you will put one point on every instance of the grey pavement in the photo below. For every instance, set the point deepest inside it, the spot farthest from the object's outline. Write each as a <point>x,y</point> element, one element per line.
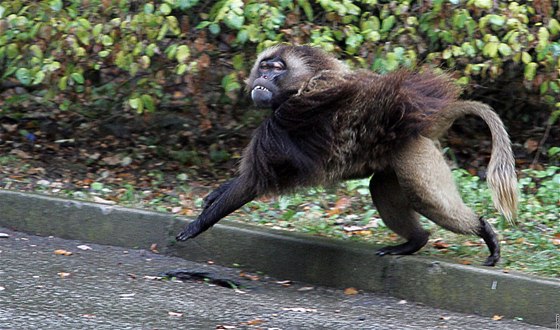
<point>318,261</point>
<point>114,288</point>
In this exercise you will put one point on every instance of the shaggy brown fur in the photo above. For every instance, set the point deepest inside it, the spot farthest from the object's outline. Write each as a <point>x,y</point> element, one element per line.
<point>331,124</point>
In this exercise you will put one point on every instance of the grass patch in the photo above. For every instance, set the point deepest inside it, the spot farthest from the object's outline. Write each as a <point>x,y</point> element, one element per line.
<point>345,212</point>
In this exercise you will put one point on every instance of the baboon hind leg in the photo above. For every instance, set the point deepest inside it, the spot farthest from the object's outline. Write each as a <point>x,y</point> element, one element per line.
<point>429,186</point>
<point>397,214</point>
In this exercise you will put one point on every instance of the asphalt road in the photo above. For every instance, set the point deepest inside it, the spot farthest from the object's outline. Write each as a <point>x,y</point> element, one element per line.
<point>113,288</point>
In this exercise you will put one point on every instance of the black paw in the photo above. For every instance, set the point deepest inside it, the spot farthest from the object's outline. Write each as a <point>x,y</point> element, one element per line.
<point>191,231</point>
<point>492,260</point>
<point>491,239</point>
<point>409,247</point>
<point>398,249</point>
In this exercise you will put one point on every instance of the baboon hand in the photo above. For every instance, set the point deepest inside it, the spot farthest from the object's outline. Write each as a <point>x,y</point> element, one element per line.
<point>192,230</point>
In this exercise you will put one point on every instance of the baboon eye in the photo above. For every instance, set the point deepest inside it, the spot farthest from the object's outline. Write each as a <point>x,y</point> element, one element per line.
<point>277,66</point>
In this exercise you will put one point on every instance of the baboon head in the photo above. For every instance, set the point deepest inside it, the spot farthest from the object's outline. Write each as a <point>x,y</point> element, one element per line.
<point>280,72</point>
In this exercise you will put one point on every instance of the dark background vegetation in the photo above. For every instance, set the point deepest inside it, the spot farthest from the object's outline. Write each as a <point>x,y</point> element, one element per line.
<point>144,101</point>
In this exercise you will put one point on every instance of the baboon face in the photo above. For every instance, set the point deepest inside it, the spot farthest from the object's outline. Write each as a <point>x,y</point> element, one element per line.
<point>269,72</point>
<point>281,71</point>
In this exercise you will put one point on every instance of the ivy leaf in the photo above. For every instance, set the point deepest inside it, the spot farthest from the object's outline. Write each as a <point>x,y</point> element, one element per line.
<point>24,76</point>
<point>83,35</point>
<point>234,21</point>
<point>530,71</point>
<point>504,49</point>
<point>307,9</point>
<point>56,5</point>
<point>136,104</point>
<point>39,77</point>
<point>148,102</point>
<point>77,77</point>
<point>106,40</point>
<point>63,83</point>
<point>149,8</point>
<point>388,23</point>
<point>165,9</point>
<point>183,53</point>
<point>490,49</point>
<point>483,4</point>
<point>214,28</point>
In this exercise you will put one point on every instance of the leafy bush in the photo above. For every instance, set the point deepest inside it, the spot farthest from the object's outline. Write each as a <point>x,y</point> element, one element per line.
<point>141,55</point>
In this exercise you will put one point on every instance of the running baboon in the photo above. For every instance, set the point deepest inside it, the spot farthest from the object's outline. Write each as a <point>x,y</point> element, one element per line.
<point>330,123</point>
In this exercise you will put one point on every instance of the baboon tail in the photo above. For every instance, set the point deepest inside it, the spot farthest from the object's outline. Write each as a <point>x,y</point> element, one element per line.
<point>501,176</point>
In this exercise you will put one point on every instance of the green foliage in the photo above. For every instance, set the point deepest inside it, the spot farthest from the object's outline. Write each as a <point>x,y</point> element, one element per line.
<point>107,53</point>
<point>71,48</point>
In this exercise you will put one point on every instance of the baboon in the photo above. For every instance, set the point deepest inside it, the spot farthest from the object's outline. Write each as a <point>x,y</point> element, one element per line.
<point>330,123</point>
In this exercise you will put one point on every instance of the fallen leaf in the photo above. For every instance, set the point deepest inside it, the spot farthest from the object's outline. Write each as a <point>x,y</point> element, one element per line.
<point>556,239</point>
<point>127,296</point>
<point>63,274</point>
<point>254,322</point>
<point>350,291</point>
<point>394,237</point>
<point>440,244</point>
<point>175,314</point>
<point>361,233</point>
<point>62,252</point>
<point>471,243</point>
<point>112,160</point>
<point>342,204</point>
<point>100,200</point>
<point>300,309</point>
<point>465,262</point>
<point>10,128</point>
<point>249,276</point>
<point>497,317</point>
<point>153,278</point>
<point>306,288</point>
<point>20,153</point>
<point>352,228</point>
<point>153,248</point>
<point>531,145</point>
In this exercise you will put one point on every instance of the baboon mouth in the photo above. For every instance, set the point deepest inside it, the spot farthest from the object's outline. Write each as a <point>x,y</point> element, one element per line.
<point>261,96</point>
<point>261,88</point>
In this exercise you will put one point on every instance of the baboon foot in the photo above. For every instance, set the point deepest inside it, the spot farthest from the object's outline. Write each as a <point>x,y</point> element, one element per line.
<point>491,239</point>
<point>411,246</point>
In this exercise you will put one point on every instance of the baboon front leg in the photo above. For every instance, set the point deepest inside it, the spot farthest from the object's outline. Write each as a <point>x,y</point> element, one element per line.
<point>429,186</point>
<point>224,200</point>
<point>397,214</point>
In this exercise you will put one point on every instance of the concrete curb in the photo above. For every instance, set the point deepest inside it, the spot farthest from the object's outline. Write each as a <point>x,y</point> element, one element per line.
<point>292,256</point>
